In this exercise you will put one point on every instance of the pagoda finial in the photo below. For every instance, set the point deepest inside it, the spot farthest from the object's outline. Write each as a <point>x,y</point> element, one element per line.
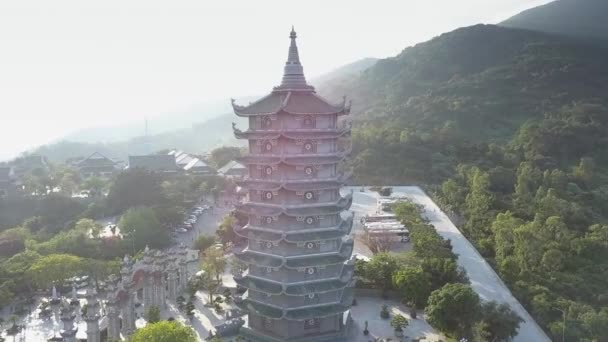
<point>293,76</point>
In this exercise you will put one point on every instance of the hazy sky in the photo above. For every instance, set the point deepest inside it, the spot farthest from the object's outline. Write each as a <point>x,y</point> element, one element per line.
<point>71,64</point>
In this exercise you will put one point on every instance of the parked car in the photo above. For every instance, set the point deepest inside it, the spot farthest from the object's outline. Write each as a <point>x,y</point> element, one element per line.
<point>181,230</point>
<point>193,217</point>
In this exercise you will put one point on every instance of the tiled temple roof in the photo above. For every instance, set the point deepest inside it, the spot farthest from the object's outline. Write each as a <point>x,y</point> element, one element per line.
<point>291,102</point>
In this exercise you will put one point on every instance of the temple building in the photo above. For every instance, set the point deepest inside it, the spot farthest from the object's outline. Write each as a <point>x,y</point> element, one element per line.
<point>297,231</point>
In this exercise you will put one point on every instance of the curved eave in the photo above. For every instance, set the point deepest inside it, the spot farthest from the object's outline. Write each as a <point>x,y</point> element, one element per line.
<point>346,251</point>
<point>302,102</point>
<point>259,285</point>
<point>265,234</point>
<point>275,261</point>
<point>273,312</point>
<point>300,288</point>
<point>314,209</point>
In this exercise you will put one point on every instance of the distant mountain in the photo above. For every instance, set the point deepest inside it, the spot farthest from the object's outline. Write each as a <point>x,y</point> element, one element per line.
<point>197,139</point>
<point>183,119</point>
<point>577,18</point>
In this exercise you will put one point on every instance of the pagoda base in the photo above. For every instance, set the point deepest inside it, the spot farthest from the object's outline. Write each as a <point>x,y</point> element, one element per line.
<point>251,335</point>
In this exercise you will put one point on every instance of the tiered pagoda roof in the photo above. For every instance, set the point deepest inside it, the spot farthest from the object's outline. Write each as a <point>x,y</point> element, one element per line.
<point>312,209</point>
<point>305,235</point>
<point>294,262</point>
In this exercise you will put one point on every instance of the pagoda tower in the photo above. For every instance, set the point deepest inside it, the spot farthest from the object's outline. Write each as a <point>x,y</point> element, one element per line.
<point>298,245</point>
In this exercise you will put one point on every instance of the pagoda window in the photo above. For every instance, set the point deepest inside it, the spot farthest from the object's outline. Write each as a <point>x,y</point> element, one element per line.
<point>267,220</point>
<point>308,122</point>
<point>267,323</point>
<point>309,170</point>
<point>266,122</point>
<point>309,195</point>
<point>267,147</point>
<point>313,323</point>
<point>309,147</point>
<point>311,298</point>
<point>267,196</point>
<point>267,172</point>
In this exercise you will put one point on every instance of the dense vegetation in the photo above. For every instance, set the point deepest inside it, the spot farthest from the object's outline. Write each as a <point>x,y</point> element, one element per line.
<point>47,237</point>
<point>427,277</point>
<point>508,129</point>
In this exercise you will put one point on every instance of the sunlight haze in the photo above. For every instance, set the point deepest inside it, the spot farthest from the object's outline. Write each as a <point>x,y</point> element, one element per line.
<point>66,65</point>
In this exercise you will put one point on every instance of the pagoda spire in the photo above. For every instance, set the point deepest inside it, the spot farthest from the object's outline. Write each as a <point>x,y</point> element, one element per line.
<point>293,75</point>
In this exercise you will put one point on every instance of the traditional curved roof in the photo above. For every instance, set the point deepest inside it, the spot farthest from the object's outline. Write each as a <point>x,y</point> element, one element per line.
<point>265,234</point>
<point>311,260</point>
<point>305,102</point>
<point>312,209</point>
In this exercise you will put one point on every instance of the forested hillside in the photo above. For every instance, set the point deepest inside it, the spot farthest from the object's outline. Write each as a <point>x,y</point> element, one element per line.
<point>577,18</point>
<point>508,129</point>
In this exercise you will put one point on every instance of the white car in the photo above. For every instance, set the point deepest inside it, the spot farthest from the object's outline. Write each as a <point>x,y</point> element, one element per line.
<point>181,230</point>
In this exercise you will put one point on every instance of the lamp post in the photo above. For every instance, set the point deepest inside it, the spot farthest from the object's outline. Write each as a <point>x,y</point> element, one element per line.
<point>563,324</point>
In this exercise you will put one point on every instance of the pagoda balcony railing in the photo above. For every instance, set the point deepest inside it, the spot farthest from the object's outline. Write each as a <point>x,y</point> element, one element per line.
<point>339,152</point>
<point>342,126</point>
<point>339,177</point>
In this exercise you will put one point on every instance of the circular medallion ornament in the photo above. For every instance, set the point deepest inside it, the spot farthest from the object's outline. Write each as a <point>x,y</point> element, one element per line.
<point>268,147</point>
<point>268,219</point>
<point>268,195</point>
<point>268,244</point>
<point>308,170</point>
<point>268,170</point>
<point>310,245</point>
<point>309,195</point>
<point>310,270</point>
<point>311,296</point>
<point>309,220</point>
<point>308,146</point>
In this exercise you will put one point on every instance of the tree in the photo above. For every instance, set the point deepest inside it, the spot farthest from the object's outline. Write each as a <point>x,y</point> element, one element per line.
<point>208,283</point>
<point>164,332</point>
<point>222,155</point>
<point>498,322</point>
<point>142,228</point>
<point>414,284</point>
<point>203,242</point>
<point>214,263</point>
<point>89,227</point>
<point>225,231</point>
<point>152,314</point>
<point>55,268</point>
<point>380,269</point>
<point>453,309</point>
<point>378,242</point>
<point>237,267</point>
<point>135,188</point>
<point>95,185</point>
<point>399,322</point>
